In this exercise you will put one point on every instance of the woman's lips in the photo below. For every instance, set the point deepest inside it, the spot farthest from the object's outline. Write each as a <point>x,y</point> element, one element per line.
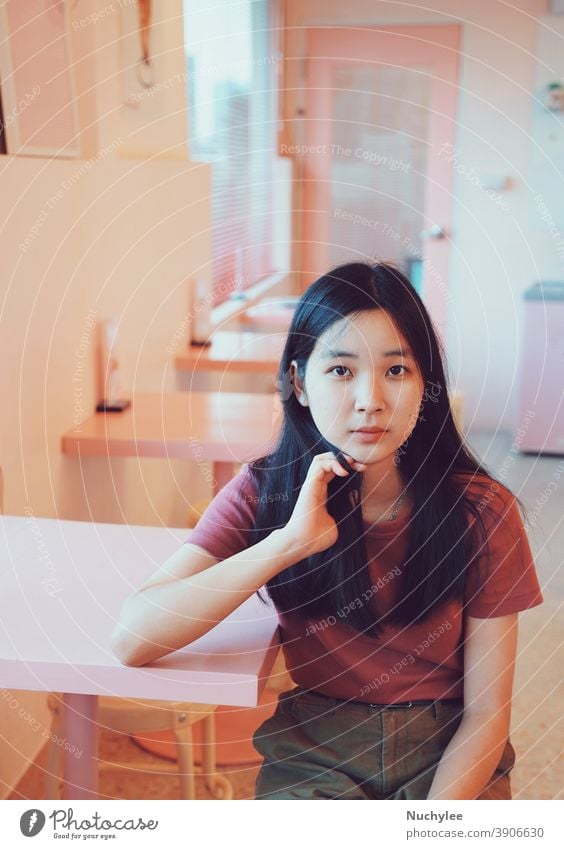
<point>369,435</point>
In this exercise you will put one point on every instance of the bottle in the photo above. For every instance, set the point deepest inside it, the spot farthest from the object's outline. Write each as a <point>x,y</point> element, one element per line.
<point>109,384</point>
<point>200,327</point>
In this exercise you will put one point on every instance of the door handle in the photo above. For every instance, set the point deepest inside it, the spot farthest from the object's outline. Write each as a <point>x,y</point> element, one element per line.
<point>434,232</point>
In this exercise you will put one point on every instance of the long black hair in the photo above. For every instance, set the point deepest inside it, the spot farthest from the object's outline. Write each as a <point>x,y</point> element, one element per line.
<point>430,461</point>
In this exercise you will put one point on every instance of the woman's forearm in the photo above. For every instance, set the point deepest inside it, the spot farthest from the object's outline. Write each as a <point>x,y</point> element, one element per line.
<point>470,759</point>
<point>164,617</point>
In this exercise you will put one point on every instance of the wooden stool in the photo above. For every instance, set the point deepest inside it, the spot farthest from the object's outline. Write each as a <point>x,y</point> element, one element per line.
<point>131,716</point>
<point>142,715</point>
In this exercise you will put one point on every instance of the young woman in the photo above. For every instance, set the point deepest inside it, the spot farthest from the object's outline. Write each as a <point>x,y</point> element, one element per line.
<point>396,562</point>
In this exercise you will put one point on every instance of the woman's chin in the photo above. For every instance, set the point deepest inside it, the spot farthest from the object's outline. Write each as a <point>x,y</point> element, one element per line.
<point>368,452</point>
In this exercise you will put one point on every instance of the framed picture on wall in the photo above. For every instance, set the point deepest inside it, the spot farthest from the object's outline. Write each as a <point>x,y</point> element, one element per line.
<point>38,94</point>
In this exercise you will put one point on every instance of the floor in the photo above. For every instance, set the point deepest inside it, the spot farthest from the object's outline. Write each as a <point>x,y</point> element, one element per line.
<point>537,730</point>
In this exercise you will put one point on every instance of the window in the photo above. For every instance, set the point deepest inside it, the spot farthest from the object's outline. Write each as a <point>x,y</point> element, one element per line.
<point>231,62</point>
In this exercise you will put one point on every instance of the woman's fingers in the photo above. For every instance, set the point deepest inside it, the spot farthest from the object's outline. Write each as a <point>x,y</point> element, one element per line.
<point>338,468</point>
<point>328,461</point>
<point>354,462</point>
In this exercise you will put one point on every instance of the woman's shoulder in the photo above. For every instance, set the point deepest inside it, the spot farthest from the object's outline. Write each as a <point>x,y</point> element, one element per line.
<point>257,487</point>
<point>241,486</point>
<point>224,527</point>
<point>488,496</point>
<point>477,484</point>
<point>251,486</point>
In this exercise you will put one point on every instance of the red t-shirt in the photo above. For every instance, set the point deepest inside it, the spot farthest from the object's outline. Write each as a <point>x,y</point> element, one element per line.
<point>423,661</point>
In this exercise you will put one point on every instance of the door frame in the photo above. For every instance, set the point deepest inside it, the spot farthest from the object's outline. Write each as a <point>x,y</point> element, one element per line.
<point>435,46</point>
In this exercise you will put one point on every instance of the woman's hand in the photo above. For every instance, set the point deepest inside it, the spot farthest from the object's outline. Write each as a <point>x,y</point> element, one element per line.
<point>311,528</point>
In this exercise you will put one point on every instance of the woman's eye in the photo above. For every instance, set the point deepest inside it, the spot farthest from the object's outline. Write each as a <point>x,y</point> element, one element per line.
<point>341,367</point>
<point>398,366</point>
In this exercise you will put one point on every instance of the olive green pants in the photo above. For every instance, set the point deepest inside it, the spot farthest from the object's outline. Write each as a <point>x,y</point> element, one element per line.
<point>315,747</point>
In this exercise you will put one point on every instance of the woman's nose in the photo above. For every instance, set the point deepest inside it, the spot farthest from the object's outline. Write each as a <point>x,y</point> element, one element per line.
<point>370,399</point>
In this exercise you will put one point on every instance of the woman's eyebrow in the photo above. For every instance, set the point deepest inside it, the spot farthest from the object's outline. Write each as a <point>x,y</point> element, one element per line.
<point>397,352</point>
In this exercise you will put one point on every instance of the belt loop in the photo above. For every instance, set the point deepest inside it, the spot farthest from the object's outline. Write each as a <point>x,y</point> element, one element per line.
<point>436,709</point>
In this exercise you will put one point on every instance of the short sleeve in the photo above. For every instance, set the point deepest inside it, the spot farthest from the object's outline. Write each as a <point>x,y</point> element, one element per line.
<point>224,527</point>
<point>502,578</point>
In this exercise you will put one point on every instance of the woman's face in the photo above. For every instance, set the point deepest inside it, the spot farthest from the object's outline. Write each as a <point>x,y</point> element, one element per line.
<point>361,374</point>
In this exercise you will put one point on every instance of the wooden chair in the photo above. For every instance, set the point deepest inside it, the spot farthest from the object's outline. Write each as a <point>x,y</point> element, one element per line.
<point>136,716</point>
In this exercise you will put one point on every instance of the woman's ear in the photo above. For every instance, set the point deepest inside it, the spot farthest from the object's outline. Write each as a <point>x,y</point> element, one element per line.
<point>299,390</point>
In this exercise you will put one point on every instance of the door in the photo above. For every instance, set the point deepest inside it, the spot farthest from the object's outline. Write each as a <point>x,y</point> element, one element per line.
<point>378,143</point>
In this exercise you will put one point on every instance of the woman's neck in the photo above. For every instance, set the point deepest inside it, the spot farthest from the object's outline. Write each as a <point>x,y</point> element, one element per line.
<point>382,485</point>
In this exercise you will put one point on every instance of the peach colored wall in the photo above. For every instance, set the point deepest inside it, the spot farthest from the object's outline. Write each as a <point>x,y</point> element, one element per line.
<point>111,235</point>
<point>117,233</point>
<point>495,255</point>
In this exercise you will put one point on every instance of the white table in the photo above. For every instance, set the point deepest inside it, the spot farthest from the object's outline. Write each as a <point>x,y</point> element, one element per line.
<point>62,585</point>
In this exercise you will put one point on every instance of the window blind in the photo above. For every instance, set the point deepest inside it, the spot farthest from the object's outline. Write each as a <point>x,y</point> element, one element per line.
<point>232,124</point>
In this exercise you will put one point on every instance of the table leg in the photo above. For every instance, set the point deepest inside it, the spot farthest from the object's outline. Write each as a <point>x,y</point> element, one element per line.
<point>222,473</point>
<point>81,731</point>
